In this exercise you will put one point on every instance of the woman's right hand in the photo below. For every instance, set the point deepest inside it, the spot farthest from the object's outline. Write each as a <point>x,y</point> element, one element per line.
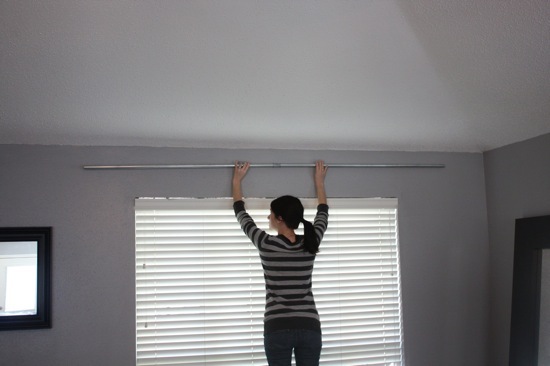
<point>320,174</point>
<point>320,171</point>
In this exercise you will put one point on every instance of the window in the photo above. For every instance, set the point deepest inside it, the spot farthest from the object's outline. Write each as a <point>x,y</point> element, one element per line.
<point>200,290</point>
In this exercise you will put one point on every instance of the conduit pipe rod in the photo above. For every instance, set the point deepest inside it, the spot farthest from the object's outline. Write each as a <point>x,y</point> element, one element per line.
<point>261,165</point>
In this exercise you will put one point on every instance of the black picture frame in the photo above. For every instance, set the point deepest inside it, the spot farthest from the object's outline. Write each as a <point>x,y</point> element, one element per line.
<point>531,237</point>
<point>43,237</point>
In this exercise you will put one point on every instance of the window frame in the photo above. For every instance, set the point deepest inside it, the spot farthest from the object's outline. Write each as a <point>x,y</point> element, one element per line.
<point>253,205</point>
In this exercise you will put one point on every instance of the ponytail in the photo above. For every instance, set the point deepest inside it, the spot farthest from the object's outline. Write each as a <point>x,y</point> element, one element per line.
<point>291,210</point>
<point>311,243</point>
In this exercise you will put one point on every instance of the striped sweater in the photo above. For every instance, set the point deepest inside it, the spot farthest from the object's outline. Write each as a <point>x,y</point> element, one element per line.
<point>287,273</point>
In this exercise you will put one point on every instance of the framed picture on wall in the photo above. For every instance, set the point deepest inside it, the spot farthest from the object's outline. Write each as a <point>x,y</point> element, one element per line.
<point>25,277</point>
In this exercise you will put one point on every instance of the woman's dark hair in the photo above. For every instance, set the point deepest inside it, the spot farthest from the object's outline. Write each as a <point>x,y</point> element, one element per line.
<point>291,210</point>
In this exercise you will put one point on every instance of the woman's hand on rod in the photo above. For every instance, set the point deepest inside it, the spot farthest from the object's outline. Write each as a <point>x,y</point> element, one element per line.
<point>320,174</point>
<point>239,172</point>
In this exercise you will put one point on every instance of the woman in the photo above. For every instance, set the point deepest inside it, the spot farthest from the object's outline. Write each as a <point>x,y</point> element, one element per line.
<point>291,320</point>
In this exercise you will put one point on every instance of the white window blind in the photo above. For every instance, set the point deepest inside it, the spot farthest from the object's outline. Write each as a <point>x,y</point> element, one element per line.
<point>200,291</point>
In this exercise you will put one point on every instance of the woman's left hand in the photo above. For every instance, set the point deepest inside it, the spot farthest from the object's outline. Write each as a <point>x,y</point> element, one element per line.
<point>241,168</point>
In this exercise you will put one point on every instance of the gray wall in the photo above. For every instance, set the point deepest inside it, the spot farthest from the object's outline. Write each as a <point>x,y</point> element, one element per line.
<point>443,233</point>
<point>518,186</point>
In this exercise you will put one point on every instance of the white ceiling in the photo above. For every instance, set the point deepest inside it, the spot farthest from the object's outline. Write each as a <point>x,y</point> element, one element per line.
<point>414,75</point>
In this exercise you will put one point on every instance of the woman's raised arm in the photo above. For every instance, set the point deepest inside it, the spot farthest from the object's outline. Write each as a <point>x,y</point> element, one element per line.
<point>320,174</point>
<point>239,172</point>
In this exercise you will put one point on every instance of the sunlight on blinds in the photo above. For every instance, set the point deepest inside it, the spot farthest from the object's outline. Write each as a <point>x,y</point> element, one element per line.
<point>200,291</point>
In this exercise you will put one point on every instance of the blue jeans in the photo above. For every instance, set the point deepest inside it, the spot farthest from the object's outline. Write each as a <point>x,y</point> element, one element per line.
<point>305,343</point>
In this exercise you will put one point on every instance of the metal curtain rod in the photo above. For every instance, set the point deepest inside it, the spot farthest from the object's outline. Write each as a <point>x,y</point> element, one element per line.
<point>272,165</point>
